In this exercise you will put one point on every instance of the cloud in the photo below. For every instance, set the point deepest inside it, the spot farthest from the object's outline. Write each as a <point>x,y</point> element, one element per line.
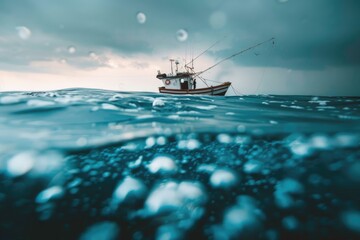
<point>325,31</point>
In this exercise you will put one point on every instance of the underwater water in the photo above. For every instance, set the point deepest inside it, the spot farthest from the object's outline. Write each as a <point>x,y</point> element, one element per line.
<point>96,164</point>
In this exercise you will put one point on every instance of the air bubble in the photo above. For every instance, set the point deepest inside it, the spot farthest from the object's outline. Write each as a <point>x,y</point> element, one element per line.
<point>181,35</point>
<point>23,32</point>
<point>141,17</point>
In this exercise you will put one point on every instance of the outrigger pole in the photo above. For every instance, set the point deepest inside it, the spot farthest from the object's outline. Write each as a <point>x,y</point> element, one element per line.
<point>192,61</point>
<point>234,55</point>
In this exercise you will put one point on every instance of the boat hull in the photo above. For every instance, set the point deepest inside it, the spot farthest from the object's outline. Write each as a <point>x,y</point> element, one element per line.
<point>219,90</point>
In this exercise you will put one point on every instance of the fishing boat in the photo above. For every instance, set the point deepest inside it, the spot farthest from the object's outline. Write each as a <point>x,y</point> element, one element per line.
<point>185,82</point>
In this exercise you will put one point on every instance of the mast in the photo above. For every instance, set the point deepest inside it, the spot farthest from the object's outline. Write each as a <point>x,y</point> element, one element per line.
<point>171,62</point>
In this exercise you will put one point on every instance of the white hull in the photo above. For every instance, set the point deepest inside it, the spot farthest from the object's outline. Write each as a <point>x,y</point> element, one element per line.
<point>219,90</point>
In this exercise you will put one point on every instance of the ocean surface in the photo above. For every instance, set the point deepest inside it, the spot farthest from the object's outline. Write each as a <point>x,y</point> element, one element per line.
<point>95,164</point>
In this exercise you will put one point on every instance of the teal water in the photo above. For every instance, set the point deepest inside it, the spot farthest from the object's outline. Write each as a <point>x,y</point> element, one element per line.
<point>95,164</point>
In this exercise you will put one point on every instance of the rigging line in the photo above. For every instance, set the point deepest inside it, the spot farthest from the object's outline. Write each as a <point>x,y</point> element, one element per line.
<point>212,80</point>
<point>217,42</point>
<point>236,91</point>
<point>234,55</point>
<point>267,52</point>
<point>204,81</point>
<point>260,82</point>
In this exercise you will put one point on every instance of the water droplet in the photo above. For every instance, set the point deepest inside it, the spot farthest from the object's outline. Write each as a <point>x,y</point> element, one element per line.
<point>284,192</point>
<point>21,163</point>
<point>224,138</point>
<point>141,17</point>
<point>50,193</point>
<point>190,144</point>
<point>353,172</point>
<point>93,55</point>
<point>320,141</point>
<point>74,183</point>
<point>163,198</point>
<point>217,20</point>
<point>290,223</point>
<point>351,219</point>
<point>241,221</point>
<point>162,164</point>
<point>130,188</point>
<point>161,141</point>
<point>181,35</point>
<point>150,142</point>
<point>223,178</point>
<point>81,142</point>
<point>170,231</point>
<point>207,168</point>
<point>299,146</point>
<point>185,198</point>
<point>252,166</point>
<point>135,163</point>
<point>23,32</point>
<point>102,230</point>
<point>71,49</point>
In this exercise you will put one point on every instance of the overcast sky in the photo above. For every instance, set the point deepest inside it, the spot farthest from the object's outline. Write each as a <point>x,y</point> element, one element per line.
<point>120,44</point>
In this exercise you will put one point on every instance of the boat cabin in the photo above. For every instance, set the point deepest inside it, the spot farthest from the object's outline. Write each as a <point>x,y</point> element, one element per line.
<point>177,80</point>
<point>180,81</point>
